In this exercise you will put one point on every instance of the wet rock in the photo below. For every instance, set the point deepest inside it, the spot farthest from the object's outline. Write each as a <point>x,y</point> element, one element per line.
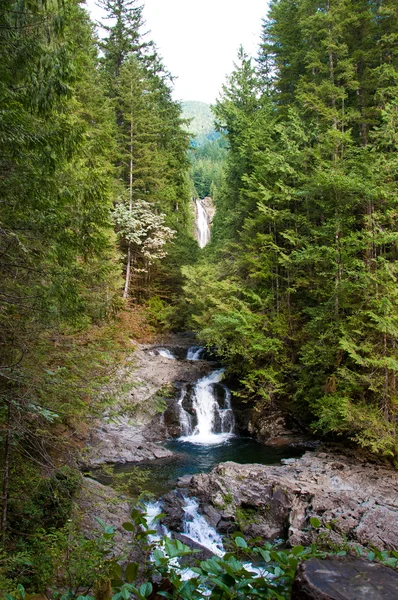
<point>218,390</point>
<point>171,420</point>
<point>187,403</point>
<point>271,426</point>
<point>355,499</point>
<point>213,516</point>
<point>173,506</point>
<point>344,579</point>
<point>184,481</point>
<point>201,553</point>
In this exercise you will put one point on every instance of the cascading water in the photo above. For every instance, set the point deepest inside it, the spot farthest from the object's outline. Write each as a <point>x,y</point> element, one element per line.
<point>152,510</point>
<point>185,418</point>
<point>215,424</point>
<point>197,528</point>
<point>202,224</point>
<point>194,352</point>
<point>165,353</point>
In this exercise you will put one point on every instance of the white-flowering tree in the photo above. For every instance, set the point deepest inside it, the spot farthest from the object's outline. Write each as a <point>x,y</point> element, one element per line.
<point>145,234</point>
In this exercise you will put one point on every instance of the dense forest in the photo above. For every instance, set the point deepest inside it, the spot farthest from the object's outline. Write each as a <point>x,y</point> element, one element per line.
<point>296,292</point>
<point>207,151</point>
<point>94,195</point>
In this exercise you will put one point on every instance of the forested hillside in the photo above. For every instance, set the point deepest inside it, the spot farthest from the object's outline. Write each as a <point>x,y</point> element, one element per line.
<point>94,195</point>
<point>299,294</point>
<point>207,150</point>
<point>201,121</point>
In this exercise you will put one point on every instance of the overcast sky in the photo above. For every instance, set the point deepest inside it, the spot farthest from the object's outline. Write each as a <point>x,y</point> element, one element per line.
<point>199,39</point>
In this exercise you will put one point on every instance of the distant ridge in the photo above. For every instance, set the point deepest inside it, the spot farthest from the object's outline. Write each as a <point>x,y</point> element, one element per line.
<point>202,121</point>
<point>202,118</point>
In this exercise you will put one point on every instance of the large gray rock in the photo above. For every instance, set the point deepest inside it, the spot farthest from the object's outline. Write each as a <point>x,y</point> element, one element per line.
<point>344,579</point>
<point>143,385</point>
<point>356,500</point>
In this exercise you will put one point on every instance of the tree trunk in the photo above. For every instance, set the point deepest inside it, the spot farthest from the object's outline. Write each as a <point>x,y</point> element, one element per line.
<point>6,470</point>
<point>128,268</point>
<point>128,273</point>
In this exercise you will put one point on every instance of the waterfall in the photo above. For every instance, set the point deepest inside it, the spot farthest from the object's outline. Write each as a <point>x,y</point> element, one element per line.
<point>194,352</point>
<point>152,510</point>
<point>197,528</point>
<point>185,418</point>
<point>215,423</point>
<point>202,224</point>
<point>165,353</point>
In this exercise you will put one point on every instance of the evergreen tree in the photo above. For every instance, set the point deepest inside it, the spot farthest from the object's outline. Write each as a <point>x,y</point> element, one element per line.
<point>303,286</point>
<point>58,261</point>
<point>151,143</point>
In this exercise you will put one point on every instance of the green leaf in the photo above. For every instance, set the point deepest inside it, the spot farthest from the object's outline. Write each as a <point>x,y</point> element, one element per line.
<point>240,542</point>
<point>116,571</point>
<point>128,526</point>
<point>146,589</point>
<point>315,522</point>
<point>131,572</point>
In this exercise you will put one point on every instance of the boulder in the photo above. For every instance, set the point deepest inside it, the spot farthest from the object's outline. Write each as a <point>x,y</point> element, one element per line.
<point>355,501</point>
<point>345,578</point>
<point>173,506</point>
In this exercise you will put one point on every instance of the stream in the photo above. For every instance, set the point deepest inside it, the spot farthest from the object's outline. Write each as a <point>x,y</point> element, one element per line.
<point>208,434</point>
<point>201,426</point>
<point>199,431</point>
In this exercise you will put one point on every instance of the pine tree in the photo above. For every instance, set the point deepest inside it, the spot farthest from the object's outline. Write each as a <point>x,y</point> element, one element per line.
<point>303,285</point>
<point>58,256</point>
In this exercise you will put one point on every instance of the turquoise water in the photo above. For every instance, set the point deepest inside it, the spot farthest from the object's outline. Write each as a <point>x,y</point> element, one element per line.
<point>161,475</point>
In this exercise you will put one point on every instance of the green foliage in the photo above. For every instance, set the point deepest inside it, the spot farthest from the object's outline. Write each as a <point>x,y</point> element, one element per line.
<point>160,566</point>
<point>200,121</point>
<point>151,150</point>
<point>144,231</point>
<point>298,289</point>
<point>207,168</point>
<point>231,576</point>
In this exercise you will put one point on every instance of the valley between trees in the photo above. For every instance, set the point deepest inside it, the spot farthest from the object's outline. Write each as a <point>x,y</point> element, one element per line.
<point>296,293</point>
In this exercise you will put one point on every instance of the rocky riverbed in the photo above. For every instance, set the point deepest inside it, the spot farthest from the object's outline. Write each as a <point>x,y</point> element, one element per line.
<point>355,501</point>
<point>145,385</point>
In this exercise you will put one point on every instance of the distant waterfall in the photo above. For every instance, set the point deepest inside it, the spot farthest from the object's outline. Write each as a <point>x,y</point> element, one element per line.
<point>215,420</point>
<point>202,224</point>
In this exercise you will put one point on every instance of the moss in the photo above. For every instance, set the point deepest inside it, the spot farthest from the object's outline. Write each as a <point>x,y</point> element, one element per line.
<point>245,516</point>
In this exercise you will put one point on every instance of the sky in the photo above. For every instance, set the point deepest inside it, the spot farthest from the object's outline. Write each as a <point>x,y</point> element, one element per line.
<point>199,39</point>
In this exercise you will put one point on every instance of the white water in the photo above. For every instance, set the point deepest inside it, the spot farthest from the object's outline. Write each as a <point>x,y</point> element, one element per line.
<point>197,528</point>
<point>194,352</point>
<point>215,425</point>
<point>185,418</point>
<point>152,510</point>
<point>165,353</point>
<point>202,224</point>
